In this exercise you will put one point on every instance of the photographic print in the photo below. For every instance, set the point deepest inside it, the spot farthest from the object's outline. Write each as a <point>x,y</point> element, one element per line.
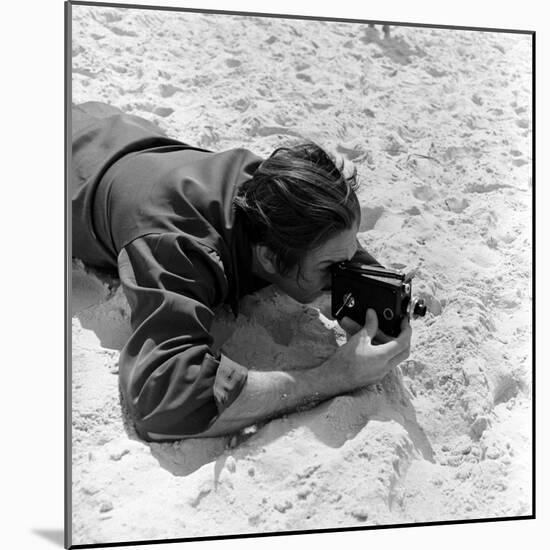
<point>300,258</point>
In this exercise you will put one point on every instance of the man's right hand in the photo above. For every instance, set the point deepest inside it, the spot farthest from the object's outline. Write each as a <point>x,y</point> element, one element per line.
<point>369,363</point>
<point>354,365</point>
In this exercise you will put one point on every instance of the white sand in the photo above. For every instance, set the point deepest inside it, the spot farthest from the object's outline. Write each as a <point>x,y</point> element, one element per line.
<point>438,124</point>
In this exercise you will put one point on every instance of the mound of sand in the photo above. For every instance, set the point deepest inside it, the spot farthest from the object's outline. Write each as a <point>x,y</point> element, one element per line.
<point>437,123</point>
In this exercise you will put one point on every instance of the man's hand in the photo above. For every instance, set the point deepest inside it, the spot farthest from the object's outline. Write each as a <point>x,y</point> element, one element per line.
<point>369,363</point>
<point>351,327</point>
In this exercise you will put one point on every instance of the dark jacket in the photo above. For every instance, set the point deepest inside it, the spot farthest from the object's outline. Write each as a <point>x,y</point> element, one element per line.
<point>160,211</point>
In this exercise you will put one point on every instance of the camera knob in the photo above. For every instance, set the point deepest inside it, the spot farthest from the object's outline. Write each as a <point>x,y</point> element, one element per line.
<point>419,308</point>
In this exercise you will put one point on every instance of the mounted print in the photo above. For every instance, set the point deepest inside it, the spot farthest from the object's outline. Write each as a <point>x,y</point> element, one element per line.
<point>300,274</point>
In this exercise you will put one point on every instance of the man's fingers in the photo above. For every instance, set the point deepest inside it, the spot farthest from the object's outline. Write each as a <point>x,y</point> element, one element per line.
<point>371,323</point>
<point>398,345</point>
<point>349,325</point>
<point>405,322</point>
<point>382,337</point>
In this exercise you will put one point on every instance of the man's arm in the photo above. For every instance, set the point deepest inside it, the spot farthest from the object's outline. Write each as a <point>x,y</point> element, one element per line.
<point>356,364</point>
<point>168,371</point>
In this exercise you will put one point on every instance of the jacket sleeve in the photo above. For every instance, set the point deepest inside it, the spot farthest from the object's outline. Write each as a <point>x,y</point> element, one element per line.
<point>169,376</point>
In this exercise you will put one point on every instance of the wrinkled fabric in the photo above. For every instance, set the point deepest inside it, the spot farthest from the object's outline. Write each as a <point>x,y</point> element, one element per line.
<point>160,211</point>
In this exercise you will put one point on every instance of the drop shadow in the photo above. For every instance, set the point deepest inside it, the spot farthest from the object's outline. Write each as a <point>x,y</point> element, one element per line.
<point>57,536</point>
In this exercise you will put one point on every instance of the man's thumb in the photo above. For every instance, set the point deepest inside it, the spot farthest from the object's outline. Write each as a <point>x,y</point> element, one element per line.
<point>371,323</point>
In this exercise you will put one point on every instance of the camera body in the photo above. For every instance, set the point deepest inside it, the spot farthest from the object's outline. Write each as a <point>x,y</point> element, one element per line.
<point>357,286</point>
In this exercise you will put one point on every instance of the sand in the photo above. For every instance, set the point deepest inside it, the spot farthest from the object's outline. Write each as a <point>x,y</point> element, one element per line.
<point>438,125</point>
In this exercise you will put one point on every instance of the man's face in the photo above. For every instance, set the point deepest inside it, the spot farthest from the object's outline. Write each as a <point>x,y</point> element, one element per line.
<point>308,283</point>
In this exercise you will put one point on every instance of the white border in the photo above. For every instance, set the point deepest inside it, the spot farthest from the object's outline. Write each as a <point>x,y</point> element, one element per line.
<point>32,274</point>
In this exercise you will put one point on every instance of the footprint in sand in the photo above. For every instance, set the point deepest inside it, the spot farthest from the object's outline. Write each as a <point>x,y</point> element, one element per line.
<point>168,90</point>
<point>523,123</point>
<point>520,162</point>
<point>456,205</point>
<point>86,72</point>
<point>424,193</point>
<point>265,131</point>
<point>305,77</point>
<point>163,111</point>
<point>322,106</point>
<point>354,153</point>
<point>233,63</point>
<point>518,110</point>
<point>413,211</point>
<point>517,160</point>
<point>110,16</point>
<point>120,69</point>
<point>151,108</point>
<point>242,104</point>
<point>121,32</point>
<point>482,187</point>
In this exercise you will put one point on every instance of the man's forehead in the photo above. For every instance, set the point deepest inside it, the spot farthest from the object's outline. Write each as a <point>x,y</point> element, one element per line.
<point>339,248</point>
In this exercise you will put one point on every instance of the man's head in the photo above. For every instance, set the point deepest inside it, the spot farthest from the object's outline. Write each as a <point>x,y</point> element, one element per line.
<point>302,215</point>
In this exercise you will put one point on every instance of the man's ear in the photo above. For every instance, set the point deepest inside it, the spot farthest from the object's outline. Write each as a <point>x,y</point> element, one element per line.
<point>266,258</point>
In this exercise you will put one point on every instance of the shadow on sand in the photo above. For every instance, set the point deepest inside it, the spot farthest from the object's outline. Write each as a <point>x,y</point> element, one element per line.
<point>389,401</point>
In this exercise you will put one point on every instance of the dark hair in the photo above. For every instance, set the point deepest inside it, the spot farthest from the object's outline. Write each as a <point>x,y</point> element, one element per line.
<point>296,200</point>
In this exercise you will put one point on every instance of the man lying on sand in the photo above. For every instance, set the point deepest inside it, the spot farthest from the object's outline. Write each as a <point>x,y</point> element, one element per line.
<point>189,229</point>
